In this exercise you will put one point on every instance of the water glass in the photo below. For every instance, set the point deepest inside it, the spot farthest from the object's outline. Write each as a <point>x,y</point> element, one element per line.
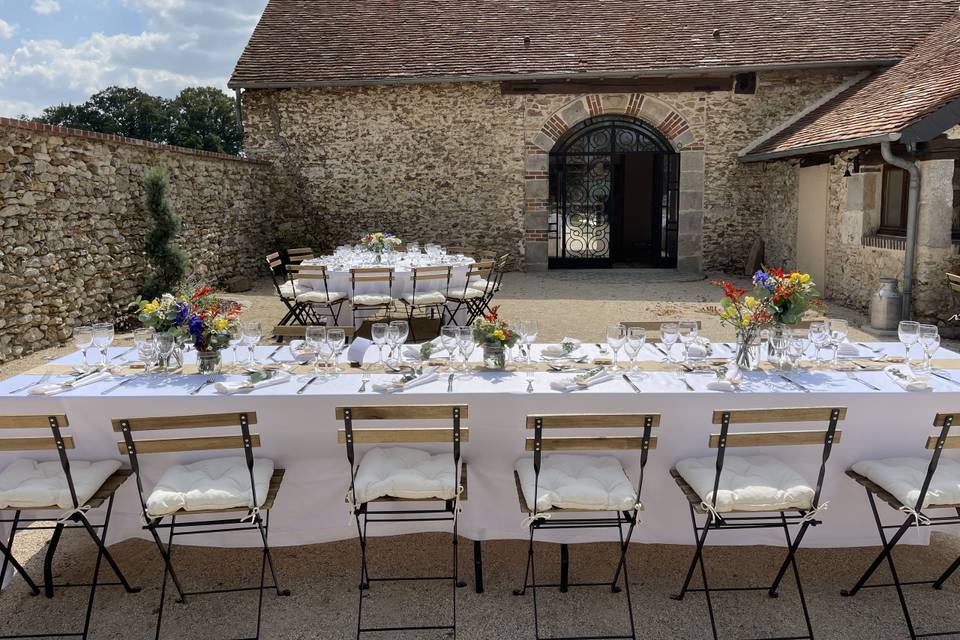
<point>315,337</point>
<point>838,330</point>
<point>402,330</point>
<point>83,340</point>
<point>819,337</point>
<point>929,337</point>
<point>466,344</point>
<point>147,352</point>
<point>252,332</point>
<point>378,333</point>
<point>687,331</point>
<point>102,339</point>
<point>336,339</point>
<point>531,329</point>
<point>616,337</point>
<point>909,333</point>
<point>449,337</point>
<point>779,341</point>
<point>165,344</point>
<point>669,334</point>
<point>235,333</point>
<point>636,338</point>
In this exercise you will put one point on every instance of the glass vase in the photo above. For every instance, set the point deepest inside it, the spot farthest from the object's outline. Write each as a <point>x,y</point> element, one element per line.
<point>494,357</point>
<point>748,351</point>
<point>208,363</point>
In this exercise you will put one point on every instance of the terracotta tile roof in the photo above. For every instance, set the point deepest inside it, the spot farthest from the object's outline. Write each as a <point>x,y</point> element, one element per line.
<point>301,42</point>
<point>886,104</point>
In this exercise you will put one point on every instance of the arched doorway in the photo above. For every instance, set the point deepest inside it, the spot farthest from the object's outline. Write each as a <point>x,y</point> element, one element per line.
<point>614,196</point>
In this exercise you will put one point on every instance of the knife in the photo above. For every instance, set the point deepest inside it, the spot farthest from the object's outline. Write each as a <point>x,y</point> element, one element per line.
<point>450,383</point>
<point>657,347</point>
<point>944,376</point>
<point>116,386</point>
<point>273,354</point>
<point>855,378</point>
<point>304,387</point>
<point>794,383</point>
<point>121,354</point>
<point>630,382</point>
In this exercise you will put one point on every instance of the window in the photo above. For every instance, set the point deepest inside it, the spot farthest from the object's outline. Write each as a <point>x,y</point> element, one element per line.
<point>893,204</point>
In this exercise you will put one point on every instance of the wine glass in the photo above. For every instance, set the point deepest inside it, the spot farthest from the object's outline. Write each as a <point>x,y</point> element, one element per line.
<point>929,337</point>
<point>393,336</point>
<point>636,337</point>
<point>336,339</point>
<point>796,347</point>
<point>531,330</point>
<point>400,338</point>
<point>165,344</point>
<point>315,337</point>
<point>687,330</point>
<point>102,339</point>
<point>252,332</point>
<point>378,333</point>
<point>147,350</point>
<point>83,340</point>
<point>909,332</point>
<point>801,339</point>
<point>142,336</point>
<point>466,344</point>
<point>838,330</point>
<point>819,337</point>
<point>616,336</point>
<point>235,335</point>
<point>448,338</point>
<point>779,341</point>
<point>669,334</point>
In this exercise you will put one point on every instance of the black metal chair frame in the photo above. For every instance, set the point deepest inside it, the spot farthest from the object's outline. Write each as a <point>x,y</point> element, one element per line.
<point>449,512</point>
<point>253,521</point>
<point>474,306</point>
<point>915,518</point>
<point>307,310</point>
<point>493,286</point>
<point>278,274</point>
<point>432,309</point>
<point>722,522</point>
<point>621,518</point>
<point>370,311</point>
<point>77,516</point>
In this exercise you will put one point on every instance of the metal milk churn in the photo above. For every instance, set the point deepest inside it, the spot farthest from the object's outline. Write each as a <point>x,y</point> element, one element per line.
<point>885,305</point>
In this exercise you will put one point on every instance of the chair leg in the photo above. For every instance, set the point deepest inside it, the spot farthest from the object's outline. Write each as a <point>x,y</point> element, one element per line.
<point>166,554</point>
<point>698,560</point>
<point>887,548</point>
<point>265,535</point>
<point>564,567</point>
<point>99,541</point>
<point>477,566</point>
<point>791,552</point>
<point>8,560</point>
<point>48,560</point>
<point>624,544</point>
<point>364,576</point>
<point>896,578</point>
<point>946,574</point>
<point>456,572</point>
<point>526,573</point>
<point>793,545</point>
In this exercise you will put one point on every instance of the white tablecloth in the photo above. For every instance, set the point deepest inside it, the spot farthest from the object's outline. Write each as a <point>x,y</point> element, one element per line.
<point>299,434</point>
<point>338,272</point>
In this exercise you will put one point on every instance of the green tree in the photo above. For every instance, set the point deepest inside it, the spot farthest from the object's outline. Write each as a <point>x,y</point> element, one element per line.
<point>167,263</point>
<point>116,110</point>
<point>205,118</point>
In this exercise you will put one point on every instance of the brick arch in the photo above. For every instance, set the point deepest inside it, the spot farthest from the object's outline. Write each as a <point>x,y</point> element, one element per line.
<point>654,111</point>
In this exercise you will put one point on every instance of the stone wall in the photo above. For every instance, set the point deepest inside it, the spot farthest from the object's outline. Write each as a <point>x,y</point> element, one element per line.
<point>73,221</point>
<point>464,164</point>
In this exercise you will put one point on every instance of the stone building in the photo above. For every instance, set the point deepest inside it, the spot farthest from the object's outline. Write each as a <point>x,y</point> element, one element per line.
<point>589,134</point>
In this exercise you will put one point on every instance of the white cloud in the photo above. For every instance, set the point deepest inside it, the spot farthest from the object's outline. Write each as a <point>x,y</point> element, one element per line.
<point>46,7</point>
<point>6,29</point>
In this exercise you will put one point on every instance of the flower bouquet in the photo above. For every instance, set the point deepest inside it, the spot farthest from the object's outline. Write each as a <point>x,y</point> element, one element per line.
<point>789,295</point>
<point>494,335</point>
<point>748,315</point>
<point>378,241</point>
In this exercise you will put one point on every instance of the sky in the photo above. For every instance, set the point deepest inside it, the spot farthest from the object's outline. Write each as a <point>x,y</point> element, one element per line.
<point>60,51</point>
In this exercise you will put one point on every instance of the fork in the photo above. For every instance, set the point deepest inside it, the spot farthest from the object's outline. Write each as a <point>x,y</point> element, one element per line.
<point>855,377</point>
<point>200,388</point>
<point>683,378</point>
<point>43,379</point>
<point>365,378</point>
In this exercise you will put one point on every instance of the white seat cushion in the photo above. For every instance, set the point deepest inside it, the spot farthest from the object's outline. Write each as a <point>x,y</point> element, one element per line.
<point>427,297</point>
<point>320,297</point>
<point>754,483</point>
<point>479,283</point>
<point>574,481</point>
<point>218,483</point>
<point>903,478</point>
<point>288,289</point>
<point>26,484</point>
<point>469,294</point>
<point>401,472</point>
<point>371,299</point>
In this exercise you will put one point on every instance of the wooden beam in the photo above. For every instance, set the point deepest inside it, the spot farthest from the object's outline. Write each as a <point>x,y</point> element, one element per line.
<point>617,85</point>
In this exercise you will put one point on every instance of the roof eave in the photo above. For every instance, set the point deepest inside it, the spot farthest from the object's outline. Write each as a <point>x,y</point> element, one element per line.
<point>933,124</point>
<point>836,145</point>
<point>498,77</point>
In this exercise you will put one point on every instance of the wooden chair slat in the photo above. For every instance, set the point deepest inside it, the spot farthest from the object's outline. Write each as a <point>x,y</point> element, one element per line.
<point>300,330</point>
<point>953,280</point>
<point>200,421</point>
<point>799,414</point>
<point>942,417</point>
<point>202,443</point>
<point>397,436</point>
<point>34,421</point>
<point>773,438</point>
<point>592,420</point>
<point>598,443</point>
<point>273,256</point>
<point>33,444</point>
<point>404,412</point>
<point>952,442</point>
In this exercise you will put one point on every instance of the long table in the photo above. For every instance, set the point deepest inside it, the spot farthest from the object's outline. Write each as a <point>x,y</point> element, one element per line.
<point>299,433</point>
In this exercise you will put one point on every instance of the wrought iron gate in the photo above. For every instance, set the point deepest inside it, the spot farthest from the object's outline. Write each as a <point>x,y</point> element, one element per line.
<point>585,192</point>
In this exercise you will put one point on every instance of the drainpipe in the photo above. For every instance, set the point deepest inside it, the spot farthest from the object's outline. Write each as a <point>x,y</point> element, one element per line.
<point>913,203</point>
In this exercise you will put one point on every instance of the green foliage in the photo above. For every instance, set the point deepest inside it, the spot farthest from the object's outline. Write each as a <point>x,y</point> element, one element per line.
<point>167,263</point>
<point>198,118</point>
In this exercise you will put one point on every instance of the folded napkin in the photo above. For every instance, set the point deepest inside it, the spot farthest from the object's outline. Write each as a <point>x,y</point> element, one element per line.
<point>558,351</point>
<point>412,351</point>
<point>728,382</point>
<point>906,379</point>
<point>58,387</point>
<point>848,350</point>
<point>300,351</point>
<point>700,348</point>
<point>403,383</point>
<point>582,381</point>
<point>276,377</point>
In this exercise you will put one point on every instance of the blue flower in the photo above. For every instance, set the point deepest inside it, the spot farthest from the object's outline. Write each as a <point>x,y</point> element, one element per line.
<point>182,310</point>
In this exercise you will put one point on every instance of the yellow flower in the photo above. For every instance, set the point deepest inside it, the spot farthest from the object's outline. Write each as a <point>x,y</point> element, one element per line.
<point>805,278</point>
<point>151,306</point>
<point>499,334</point>
<point>221,324</point>
<point>751,302</point>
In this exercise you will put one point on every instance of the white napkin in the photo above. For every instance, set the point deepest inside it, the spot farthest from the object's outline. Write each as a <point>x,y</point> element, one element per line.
<point>848,350</point>
<point>905,378</point>
<point>570,384</point>
<point>729,382</point>
<point>412,351</point>
<point>699,349</point>
<point>428,375</point>
<point>58,387</point>
<point>357,348</point>
<point>236,387</point>
<point>556,350</point>
<point>300,351</point>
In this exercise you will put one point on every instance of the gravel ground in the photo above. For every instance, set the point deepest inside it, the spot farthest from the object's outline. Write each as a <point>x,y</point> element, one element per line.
<point>323,577</point>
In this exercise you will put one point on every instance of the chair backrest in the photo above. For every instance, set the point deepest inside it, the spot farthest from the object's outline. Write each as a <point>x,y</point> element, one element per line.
<point>278,272</point>
<point>954,281</point>
<point>311,272</point>
<point>826,438</point>
<point>288,332</point>
<point>601,421</point>
<point>436,278</point>
<point>653,325</point>
<point>462,250</point>
<point>943,440</point>
<point>393,436</point>
<point>480,270</point>
<point>53,440</point>
<point>135,447</point>
<point>298,255</point>
<point>365,275</point>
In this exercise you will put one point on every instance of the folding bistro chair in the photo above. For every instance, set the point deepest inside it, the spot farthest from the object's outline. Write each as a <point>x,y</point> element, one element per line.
<point>309,299</point>
<point>912,485</point>
<point>369,306</point>
<point>71,487</point>
<point>390,475</point>
<point>284,288</point>
<point>198,488</point>
<point>562,483</point>
<point>470,298</point>
<point>428,297</point>
<point>760,485</point>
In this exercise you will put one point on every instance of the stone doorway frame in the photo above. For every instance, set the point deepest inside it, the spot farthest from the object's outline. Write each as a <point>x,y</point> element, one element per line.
<point>651,110</point>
